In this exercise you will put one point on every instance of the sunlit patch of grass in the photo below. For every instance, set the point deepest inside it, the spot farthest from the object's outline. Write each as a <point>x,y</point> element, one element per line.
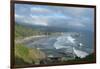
<point>28,55</point>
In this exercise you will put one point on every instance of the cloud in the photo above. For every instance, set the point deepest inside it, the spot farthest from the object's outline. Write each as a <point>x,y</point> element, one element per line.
<point>46,19</point>
<point>50,16</point>
<point>18,16</point>
<point>63,17</point>
<point>39,9</point>
<point>39,20</point>
<point>76,23</point>
<point>76,10</point>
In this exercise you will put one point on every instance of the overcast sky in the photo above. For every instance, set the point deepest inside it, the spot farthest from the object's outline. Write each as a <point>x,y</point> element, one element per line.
<point>55,16</point>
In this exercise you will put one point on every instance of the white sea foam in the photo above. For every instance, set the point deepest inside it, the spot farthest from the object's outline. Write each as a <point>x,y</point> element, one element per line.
<point>67,40</point>
<point>80,53</point>
<point>71,39</point>
<point>64,41</point>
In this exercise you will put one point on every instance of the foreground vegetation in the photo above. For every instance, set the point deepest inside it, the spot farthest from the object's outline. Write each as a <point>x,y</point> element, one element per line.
<point>88,59</point>
<point>25,55</point>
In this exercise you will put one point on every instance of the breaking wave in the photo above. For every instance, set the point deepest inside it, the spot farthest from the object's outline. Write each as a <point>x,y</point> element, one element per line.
<point>71,41</point>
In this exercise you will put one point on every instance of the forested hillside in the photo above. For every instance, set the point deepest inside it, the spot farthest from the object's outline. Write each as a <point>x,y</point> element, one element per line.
<point>23,31</point>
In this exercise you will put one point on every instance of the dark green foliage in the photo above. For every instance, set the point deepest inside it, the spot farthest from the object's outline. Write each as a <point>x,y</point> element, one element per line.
<point>20,61</point>
<point>88,59</point>
<point>22,31</point>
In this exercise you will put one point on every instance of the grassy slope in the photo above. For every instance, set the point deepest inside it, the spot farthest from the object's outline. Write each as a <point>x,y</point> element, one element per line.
<point>22,31</point>
<point>23,54</point>
<point>26,55</point>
